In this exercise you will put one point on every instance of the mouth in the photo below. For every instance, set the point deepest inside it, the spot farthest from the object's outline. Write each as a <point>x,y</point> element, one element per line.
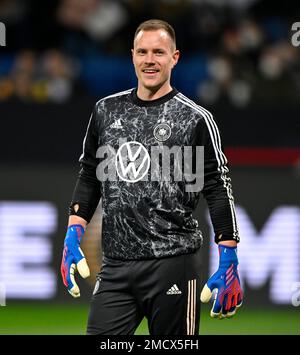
<point>150,72</point>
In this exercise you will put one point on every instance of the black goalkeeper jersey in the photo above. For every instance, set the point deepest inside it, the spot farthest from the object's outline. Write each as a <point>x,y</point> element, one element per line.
<point>144,215</point>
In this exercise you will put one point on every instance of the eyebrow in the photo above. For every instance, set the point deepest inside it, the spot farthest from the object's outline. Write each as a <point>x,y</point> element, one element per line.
<point>145,49</point>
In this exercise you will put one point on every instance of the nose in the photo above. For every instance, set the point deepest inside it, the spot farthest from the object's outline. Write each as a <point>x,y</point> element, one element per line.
<point>149,59</point>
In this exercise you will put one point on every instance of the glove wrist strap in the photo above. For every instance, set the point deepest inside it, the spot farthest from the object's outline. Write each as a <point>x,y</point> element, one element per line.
<point>75,231</point>
<point>228,255</point>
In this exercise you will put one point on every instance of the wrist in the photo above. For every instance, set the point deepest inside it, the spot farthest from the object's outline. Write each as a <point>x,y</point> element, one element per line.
<point>229,243</point>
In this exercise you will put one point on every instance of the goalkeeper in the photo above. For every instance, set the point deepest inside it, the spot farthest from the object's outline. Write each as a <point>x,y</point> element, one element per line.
<point>150,241</point>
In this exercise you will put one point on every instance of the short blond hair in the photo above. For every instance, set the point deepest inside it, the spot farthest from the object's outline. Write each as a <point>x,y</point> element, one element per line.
<point>155,24</point>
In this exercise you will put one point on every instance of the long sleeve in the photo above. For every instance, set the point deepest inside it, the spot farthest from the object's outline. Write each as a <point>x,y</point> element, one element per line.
<point>217,188</point>
<point>87,191</point>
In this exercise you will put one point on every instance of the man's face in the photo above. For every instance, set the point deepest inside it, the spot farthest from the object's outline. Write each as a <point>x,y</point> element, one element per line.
<point>154,55</point>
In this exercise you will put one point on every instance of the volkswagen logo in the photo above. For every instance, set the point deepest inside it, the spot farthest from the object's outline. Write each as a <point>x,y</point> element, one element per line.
<point>132,161</point>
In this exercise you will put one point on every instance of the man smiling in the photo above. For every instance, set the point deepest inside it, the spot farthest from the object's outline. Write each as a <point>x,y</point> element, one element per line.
<point>150,241</point>
<point>154,56</point>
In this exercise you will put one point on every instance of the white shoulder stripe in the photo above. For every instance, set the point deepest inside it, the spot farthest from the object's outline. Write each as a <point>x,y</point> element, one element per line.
<point>210,128</point>
<point>216,129</point>
<point>210,121</point>
<point>117,94</point>
<point>84,140</point>
<point>220,156</point>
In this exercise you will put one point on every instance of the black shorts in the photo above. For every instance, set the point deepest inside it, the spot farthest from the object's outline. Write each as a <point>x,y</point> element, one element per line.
<point>166,291</point>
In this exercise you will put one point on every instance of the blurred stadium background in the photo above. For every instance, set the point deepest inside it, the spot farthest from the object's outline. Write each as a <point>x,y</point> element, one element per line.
<point>237,59</point>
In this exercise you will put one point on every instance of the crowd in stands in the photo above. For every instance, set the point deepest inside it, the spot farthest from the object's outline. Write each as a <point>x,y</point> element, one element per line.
<point>235,50</point>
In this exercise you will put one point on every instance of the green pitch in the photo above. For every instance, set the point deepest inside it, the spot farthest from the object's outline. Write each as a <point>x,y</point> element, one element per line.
<point>38,318</point>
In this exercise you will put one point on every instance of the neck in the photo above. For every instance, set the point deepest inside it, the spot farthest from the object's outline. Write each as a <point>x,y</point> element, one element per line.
<point>153,93</point>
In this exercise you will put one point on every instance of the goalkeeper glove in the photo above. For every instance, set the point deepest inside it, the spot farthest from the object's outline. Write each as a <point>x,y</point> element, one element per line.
<point>226,282</point>
<point>73,259</point>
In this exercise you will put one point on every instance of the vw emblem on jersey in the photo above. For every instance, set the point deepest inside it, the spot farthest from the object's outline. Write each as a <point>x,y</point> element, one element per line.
<point>162,132</point>
<point>132,161</point>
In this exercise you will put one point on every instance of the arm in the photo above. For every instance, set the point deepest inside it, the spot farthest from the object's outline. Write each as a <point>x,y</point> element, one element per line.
<point>85,199</point>
<point>229,243</point>
<point>218,193</point>
<point>77,220</point>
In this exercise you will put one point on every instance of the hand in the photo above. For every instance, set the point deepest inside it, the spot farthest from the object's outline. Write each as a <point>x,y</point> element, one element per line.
<point>73,259</point>
<point>226,281</point>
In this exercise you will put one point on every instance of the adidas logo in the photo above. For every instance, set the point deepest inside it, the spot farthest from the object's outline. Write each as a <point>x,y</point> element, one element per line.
<point>117,124</point>
<point>174,290</point>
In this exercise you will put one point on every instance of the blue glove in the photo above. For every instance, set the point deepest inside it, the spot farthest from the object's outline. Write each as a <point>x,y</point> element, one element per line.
<point>226,282</point>
<point>73,259</point>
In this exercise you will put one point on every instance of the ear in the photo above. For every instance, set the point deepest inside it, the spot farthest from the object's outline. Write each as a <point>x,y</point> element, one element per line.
<point>175,56</point>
